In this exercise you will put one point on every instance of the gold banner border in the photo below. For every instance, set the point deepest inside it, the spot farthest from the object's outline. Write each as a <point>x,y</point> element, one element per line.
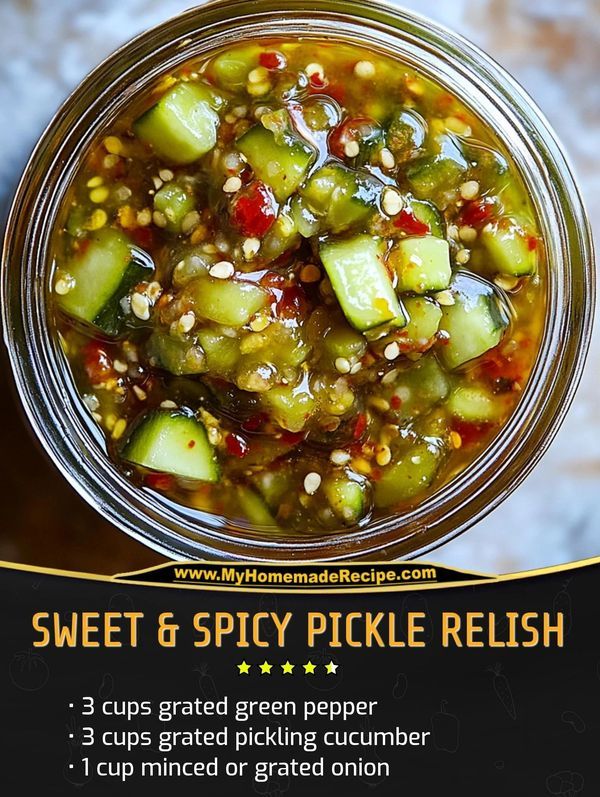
<point>129,578</point>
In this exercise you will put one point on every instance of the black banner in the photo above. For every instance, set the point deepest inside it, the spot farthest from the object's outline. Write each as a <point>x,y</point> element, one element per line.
<point>476,688</point>
<point>305,577</point>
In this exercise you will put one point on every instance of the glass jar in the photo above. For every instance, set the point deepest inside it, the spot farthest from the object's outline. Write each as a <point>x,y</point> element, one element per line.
<point>59,417</point>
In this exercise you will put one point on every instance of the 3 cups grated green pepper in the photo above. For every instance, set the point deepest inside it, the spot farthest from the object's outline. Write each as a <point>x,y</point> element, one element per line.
<point>298,285</point>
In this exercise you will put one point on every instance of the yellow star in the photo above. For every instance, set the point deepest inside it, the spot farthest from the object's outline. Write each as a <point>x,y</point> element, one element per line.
<point>309,668</point>
<point>288,668</point>
<point>265,668</point>
<point>244,668</point>
<point>331,668</point>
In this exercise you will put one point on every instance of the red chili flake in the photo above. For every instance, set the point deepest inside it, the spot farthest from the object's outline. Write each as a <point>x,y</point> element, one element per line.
<point>445,100</point>
<point>191,444</point>
<point>83,246</point>
<point>292,438</point>
<point>147,382</point>
<point>395,402</point>
<point>272,60</point>
<point>144,237</point>
<point>318,82</point>
<point>255,422</point>
<point>337,140</point>
<point>532,243</point>
<point>246,174</point>
<point>410,224</point>
<point>359,426</point>
<point>253,212</point>
<point>292,303</point>
<point>334,90</point>
<point>295,111</point>
<point>351,129</point>
<point>478,212</point>
<point>160,481</point>
<point>497,366</point>
<point>97,362</point>
<point>227,132</point>
<point>119,169</point>
<point>470,433</point>
<point>375,474</point>
<point>236,446</point>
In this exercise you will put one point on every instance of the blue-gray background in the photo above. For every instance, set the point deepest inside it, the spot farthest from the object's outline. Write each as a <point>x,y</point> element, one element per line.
<point>551,46</point>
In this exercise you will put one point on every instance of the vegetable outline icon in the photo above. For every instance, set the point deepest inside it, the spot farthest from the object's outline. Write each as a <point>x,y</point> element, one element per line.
<point>445,730</point>
<point>72,770</point>
<point>107,686</point>
<point>375,780</point>
<point>503,690</point>
<point>565,783</point>
<point>206,683</point>
<point>400,686</point>
<point>562,604</point>
<point>573,719</point>
<point>28,671</point>
<point>274,787</point>
<point>322,682</point>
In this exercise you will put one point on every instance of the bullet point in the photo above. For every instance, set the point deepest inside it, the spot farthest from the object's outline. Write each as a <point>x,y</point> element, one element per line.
<point>70,705</point>
<point>70,736</point>
<point>71,766</point>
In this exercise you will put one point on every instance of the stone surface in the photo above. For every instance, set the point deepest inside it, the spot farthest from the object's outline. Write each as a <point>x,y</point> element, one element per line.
<point>551,47</point>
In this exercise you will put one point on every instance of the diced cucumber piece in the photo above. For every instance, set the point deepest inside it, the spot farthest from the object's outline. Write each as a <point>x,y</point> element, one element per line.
<point>172,442</point>
<point>474,404</point>
<point>475,322</point>
<point>274,484</point>
<point>305,221</point>
<point>282,236</point>
<point>103,274</point>
<point>342,341</point>
<point>492,166</point>
<point>226,301</point>
<point>321,113</point>
<point>411,472</point>
<point>222,353</point>
<point>406,134</point>
<point>175,203</point>
<point>361,282</point>
<point>342,197</point>
<point>263,451</point>
<point>433,176</point>
<point>280,161</point>
<point>508,245</point>
<point>231,67</point>
<point>419,388</point>
<point>286,343</point>
<point>179,357</point>
<point>290,406</point>
<point>371,140</point>
<point>347,494</point>
<point>428,213</point>
<point>182,125</point>
<point>253,507</point>
<point>422,264</point>
<point>192,262</point>
<point>76,221</point>
<point>424,317</point>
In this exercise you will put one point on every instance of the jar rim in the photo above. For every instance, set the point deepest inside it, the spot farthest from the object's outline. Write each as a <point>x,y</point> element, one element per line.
<point>40,370</point>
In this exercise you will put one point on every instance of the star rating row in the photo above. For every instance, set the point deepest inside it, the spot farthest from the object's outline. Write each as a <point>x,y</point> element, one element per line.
<point>287,668</point>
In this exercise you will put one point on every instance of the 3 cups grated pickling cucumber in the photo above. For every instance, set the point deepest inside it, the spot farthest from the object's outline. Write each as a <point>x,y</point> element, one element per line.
<point>298,285</point>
